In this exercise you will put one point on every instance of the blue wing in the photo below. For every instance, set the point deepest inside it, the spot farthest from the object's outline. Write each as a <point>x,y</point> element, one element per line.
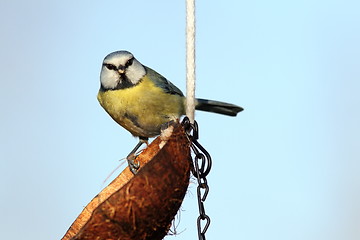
<point>162,82</point>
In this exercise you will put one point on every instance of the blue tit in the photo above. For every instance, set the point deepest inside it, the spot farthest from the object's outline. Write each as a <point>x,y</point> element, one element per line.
<point>141,100</point>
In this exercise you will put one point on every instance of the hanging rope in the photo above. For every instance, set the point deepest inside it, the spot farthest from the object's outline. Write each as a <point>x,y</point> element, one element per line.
<point>190,59</point>
<point>200,170</point>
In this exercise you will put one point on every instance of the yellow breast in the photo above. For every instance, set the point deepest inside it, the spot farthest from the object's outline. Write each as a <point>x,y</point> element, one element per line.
<point>142,109</point>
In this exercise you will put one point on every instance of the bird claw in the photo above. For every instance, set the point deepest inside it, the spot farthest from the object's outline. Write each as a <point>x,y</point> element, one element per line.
<point>133,165</point>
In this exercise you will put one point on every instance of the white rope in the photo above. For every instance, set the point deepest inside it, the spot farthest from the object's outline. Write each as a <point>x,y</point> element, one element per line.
<point>190,59</point>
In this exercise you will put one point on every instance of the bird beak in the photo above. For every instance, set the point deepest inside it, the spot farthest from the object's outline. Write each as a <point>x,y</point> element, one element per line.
<point>121,71</point>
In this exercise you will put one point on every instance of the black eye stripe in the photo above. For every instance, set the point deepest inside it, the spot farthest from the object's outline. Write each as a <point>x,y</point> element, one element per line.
<point>109,66</point>
<point>129,62</point>
<point>113,67</point>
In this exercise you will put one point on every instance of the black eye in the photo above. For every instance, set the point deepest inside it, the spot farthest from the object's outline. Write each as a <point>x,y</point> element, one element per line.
<point>109,66</point>
<point>129,62</point>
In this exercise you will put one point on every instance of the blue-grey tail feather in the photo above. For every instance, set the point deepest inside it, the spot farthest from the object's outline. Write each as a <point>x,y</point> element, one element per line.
<point>217,107</point>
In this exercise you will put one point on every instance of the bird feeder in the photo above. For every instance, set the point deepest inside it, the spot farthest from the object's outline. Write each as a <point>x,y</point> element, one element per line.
<point>140,206</point>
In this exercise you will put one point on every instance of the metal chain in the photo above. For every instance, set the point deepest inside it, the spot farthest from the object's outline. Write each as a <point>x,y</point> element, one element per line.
<point>200,171</point>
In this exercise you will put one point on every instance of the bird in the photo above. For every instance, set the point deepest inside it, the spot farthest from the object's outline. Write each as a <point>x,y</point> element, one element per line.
<point>142,101</point>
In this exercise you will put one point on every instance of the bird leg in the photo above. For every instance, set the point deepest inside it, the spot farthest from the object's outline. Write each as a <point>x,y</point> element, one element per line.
<point>134,166</point>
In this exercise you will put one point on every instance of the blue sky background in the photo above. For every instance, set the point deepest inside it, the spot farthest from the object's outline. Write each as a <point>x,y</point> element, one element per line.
<point>285,168</point>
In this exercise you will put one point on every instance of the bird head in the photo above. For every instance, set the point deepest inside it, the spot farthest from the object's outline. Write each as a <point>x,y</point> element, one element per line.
<point>120,70</point>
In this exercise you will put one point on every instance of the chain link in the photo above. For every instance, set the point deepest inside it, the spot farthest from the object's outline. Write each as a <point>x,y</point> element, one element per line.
<point>201,168</point>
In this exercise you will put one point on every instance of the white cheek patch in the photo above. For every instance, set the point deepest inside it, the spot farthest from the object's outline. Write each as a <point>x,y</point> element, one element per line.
<point>109,79</point>
<point>135,72</point>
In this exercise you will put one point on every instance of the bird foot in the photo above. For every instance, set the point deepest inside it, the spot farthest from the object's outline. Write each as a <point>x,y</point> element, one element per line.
<point>133,164</point>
